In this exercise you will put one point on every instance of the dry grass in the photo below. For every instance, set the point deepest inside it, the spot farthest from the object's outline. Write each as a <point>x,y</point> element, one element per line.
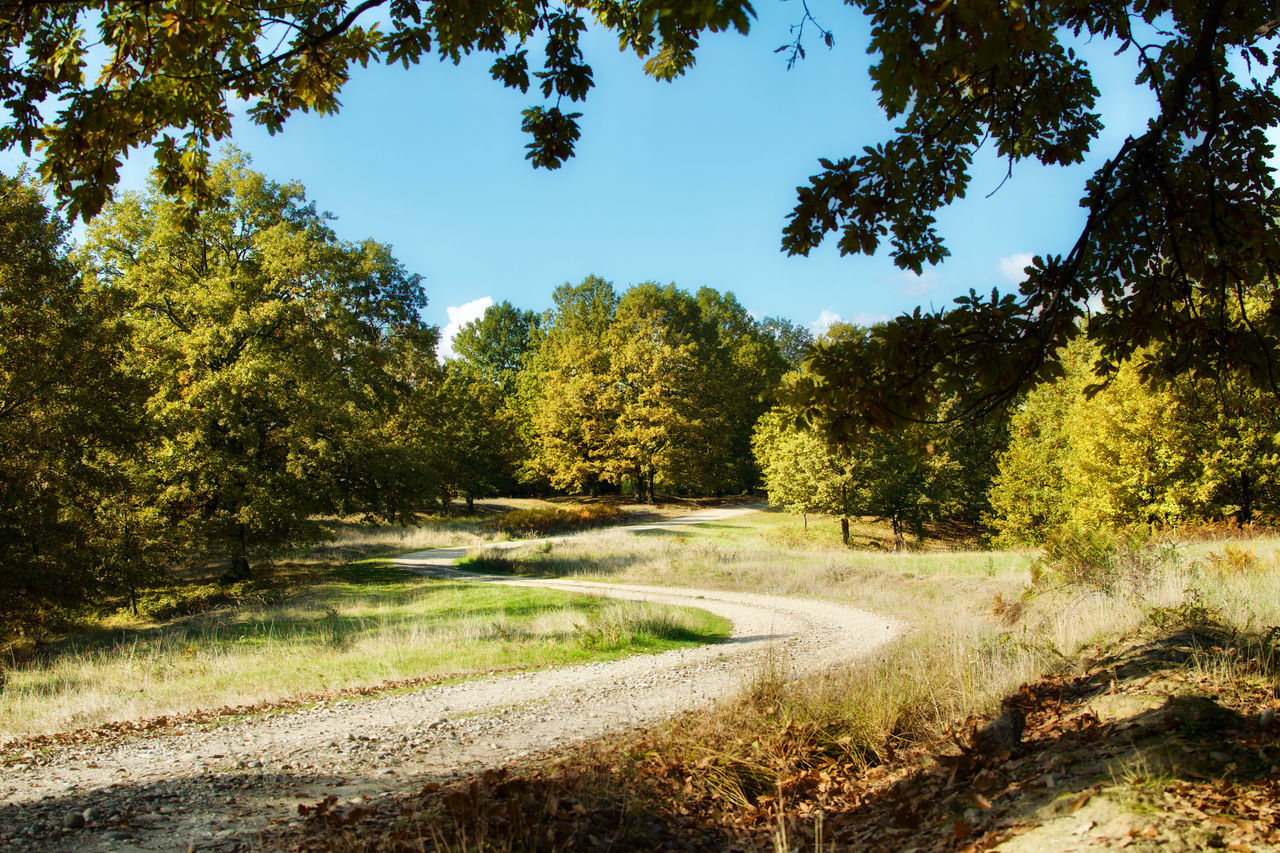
<point>492,520</point>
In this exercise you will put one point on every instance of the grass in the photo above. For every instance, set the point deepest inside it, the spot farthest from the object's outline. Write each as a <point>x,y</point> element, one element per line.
<point>358,625</point>
<point>770,552</point>
<point>491,520</point>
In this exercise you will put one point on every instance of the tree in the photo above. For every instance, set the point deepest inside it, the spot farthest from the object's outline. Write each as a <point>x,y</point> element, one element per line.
<point>494,346</point>
<point>264,343</point>
<point>660,347</point>
<point>801,471</point>
<point>574,401</point>
<point>793,340</point>
<point>748,366</point>
<point>910,477</point>
<point>1179,219</point>
<point>67,421</point>
<point>1128,453</point>
<point>1238,427</point>
<point>465,438</point>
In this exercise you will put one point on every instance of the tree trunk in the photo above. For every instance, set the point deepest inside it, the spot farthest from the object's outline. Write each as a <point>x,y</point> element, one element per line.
<point>471,503</point>
<point>239,569</point>
<point>844,530</point>
<point>805,516</point>
<point>1245,514</point>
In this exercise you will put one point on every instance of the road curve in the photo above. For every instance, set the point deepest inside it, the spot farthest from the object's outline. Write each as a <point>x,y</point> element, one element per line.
<point>211,789</point>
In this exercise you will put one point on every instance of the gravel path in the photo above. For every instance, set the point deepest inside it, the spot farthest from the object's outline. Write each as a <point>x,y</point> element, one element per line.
<point>213,788</point>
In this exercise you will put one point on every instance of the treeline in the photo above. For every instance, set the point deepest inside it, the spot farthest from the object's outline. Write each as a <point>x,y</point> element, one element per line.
<point>1078,452</point>
<point>652,390</point>
<point>1087,453</point>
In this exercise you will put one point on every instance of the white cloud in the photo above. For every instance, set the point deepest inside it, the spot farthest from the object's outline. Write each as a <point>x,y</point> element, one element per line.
<point>1012,267</point>
<point>824,322</point>
<point>827,319</point>
<point>459,316</point>
<point>862,318</point>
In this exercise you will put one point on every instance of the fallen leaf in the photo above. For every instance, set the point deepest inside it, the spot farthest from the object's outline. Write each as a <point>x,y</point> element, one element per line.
<point>977,799</point>
<point>1079,802</point>
<point>1082,829</point>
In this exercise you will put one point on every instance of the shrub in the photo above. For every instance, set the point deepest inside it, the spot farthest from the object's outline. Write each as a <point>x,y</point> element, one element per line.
<point>493,564</point>
<point>1127,564</point>
<point>543,521</point>
<point>1234,560</point>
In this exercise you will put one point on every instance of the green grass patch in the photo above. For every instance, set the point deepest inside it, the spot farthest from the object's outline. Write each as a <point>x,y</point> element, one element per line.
<point>360,625</point>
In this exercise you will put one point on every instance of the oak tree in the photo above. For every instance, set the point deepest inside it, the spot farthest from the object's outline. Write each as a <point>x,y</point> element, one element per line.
<point>67,421</point>
<point>263,341</point>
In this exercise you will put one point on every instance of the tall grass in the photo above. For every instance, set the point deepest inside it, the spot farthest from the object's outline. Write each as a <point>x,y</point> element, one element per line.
<point>968,650</point>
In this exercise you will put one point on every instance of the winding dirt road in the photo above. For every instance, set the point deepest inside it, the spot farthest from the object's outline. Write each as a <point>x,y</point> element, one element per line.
<point>215,788</point>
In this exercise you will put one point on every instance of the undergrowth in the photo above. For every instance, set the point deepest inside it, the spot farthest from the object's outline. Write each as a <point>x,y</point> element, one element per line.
<point>544,521</point>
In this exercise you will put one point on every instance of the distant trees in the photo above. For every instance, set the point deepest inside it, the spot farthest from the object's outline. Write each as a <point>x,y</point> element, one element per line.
<point>1194,449</point>
<point>910,477</point>
<point>653,387</point>
<point>494,347</point>
<point>573,403</point>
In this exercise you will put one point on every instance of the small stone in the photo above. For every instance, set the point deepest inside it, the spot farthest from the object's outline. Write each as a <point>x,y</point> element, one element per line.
<point>73,820</point>
<point>93,813</point>
<point>116,835</point>
<point>1268,717</point>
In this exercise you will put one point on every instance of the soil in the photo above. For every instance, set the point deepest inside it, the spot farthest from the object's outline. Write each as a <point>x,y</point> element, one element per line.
<point>223,786</point>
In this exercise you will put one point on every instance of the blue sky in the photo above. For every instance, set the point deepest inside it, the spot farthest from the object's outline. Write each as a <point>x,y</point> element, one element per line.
<point>688,182</point>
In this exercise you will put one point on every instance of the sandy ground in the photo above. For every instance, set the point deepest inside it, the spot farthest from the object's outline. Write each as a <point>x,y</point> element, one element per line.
<point>217,788</point>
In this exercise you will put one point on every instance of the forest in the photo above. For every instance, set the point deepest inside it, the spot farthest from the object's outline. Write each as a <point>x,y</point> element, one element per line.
<point>206,387</point>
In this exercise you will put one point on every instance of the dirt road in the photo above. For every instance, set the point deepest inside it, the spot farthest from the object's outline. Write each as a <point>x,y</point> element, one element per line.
<point>215,788</point>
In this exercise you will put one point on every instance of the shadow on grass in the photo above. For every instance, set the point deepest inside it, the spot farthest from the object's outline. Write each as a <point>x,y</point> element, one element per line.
<point>546,565</point>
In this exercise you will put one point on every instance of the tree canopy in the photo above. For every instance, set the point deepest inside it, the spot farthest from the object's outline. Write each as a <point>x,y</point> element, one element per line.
<point>651,387</point>
<point>1178,231</point>
<point>262,341</point>
<point>1190,450</point>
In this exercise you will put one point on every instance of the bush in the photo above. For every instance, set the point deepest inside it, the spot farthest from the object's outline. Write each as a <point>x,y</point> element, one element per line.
<point>544,521</point>
<point>1127,564</point>
<point>1233,560</point>
<point>493,564</point>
